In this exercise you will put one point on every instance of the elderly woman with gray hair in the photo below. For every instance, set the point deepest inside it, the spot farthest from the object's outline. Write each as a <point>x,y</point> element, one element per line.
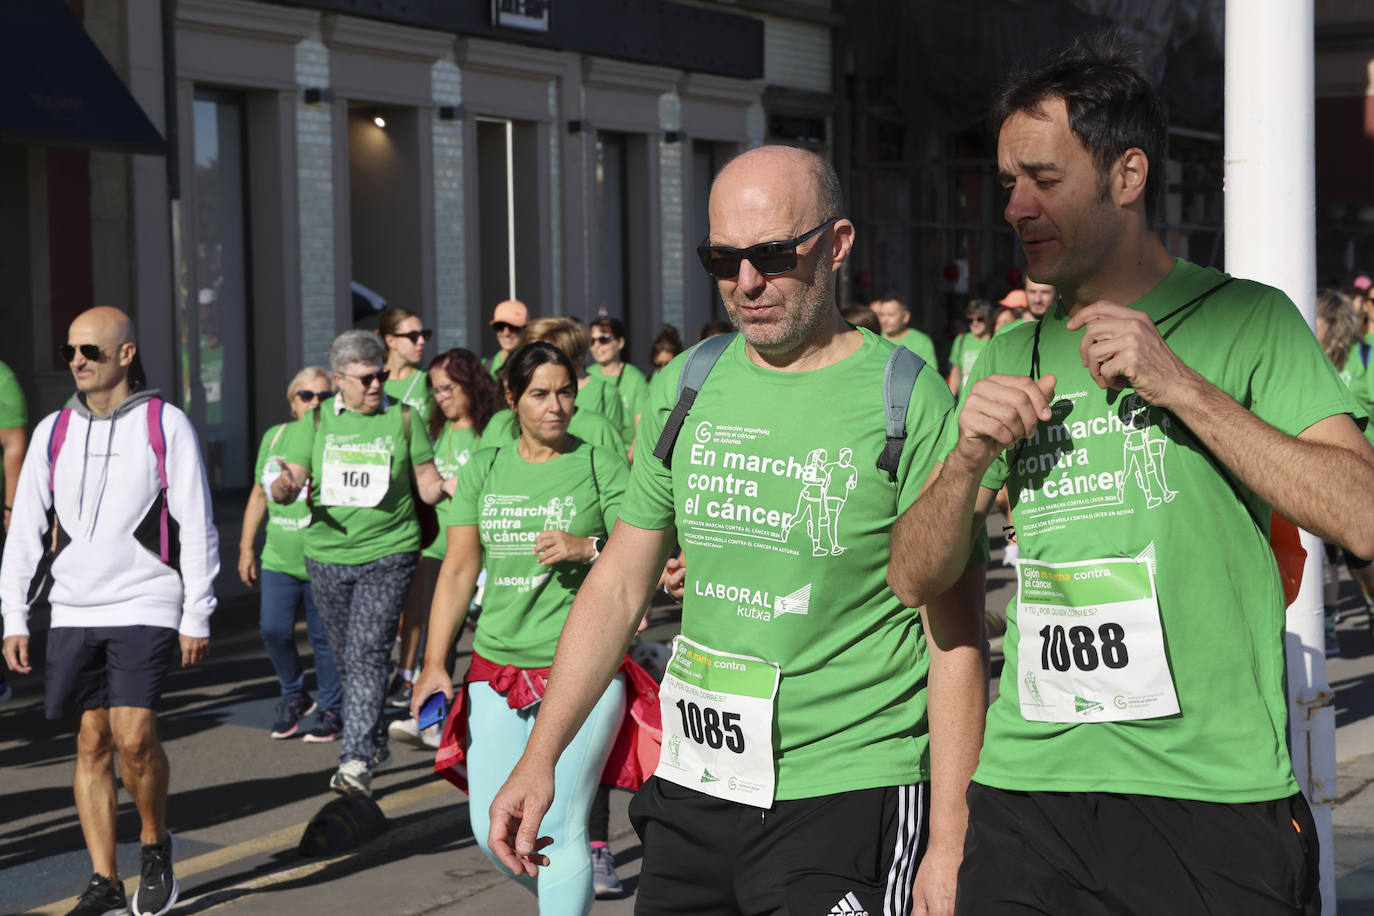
<point>360,452</point>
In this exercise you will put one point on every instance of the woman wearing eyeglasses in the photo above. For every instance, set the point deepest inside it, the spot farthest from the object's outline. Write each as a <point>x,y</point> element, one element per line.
<point>608,349</point>
<point>361,451</point>
<point>465,395</point>
<point>285,584</point>
<point>405,340</point>
<point>404,336</point>
<point>533,511</point>
<point>968,347</point>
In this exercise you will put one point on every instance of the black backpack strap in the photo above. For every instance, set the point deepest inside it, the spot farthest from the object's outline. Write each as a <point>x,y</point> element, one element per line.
<point>1364,353</point>
<point>899,377</point>
<point>700,360</point>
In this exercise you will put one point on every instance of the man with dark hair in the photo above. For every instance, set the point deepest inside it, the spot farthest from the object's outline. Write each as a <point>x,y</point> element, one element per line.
<point>804,702</point>
<point>893,316</point>
<point>119,498</point>
<point>1135,758</point>
<point>1039,298</point>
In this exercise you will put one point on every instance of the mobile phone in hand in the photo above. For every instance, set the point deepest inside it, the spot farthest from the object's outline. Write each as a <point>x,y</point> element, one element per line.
<point>434,711</point>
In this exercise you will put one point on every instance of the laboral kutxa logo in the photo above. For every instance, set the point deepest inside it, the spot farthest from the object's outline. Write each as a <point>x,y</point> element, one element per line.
<point>757,604</point>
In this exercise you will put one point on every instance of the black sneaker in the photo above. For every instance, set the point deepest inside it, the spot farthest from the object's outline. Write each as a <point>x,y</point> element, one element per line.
<point>328,727</point>
<point>102,897</point>
<point>158,887</point>
<point>399,697</point>
<point>289,716</point>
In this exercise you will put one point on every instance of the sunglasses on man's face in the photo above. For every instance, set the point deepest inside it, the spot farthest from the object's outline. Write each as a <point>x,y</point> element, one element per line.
<point>768,258</point>
<point>603,340</point>
<point>371,377</point>
<point>502,328</point>
<point>415,336</point>
<point>90,351</point>
<point>306,395</point>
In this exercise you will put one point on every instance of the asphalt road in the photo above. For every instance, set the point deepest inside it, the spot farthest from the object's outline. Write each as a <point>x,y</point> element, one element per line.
<point>239,800</point>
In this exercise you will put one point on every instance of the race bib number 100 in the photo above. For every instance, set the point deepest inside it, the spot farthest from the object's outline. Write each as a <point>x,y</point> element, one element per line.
<point>717,713</point>
<point>356,476</point>
<point>1091,647</point>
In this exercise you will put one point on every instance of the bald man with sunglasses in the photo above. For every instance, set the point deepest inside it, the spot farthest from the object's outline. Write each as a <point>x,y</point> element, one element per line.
<point>131,586</point>
<point>803,702</point>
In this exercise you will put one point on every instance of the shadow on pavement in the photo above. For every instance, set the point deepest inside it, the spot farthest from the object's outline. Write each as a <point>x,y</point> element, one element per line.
<point>397,843</point>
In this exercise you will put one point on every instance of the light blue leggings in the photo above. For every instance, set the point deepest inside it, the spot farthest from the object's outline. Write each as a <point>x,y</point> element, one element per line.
<point>497,735</point>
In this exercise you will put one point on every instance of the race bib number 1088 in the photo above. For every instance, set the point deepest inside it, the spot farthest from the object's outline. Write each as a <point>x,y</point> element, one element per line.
<point>1091,647</point>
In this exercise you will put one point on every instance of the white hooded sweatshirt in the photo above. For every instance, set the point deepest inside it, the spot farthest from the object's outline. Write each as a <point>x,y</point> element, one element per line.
<point>105,486</point>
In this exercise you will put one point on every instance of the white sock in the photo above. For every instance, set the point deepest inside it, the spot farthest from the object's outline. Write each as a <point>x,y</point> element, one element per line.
<point>407,674</point>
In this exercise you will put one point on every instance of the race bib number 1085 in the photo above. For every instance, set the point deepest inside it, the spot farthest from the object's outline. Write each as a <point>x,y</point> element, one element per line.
<point>717,711</point>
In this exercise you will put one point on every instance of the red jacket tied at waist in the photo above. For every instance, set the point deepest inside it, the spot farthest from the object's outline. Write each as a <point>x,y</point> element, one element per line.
<point>634,755</point>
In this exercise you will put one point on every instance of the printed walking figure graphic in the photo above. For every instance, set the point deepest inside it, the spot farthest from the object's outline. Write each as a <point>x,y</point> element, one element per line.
<point>560,513</point>
<point>1142,452</point>
<point>840,477</point>
<point>811,502</point>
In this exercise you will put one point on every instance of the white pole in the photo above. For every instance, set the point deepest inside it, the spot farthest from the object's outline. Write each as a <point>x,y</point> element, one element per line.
<point>1271,237</point>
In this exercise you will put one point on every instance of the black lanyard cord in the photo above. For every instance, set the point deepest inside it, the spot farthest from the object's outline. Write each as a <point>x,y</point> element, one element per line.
<point>1035,350</point>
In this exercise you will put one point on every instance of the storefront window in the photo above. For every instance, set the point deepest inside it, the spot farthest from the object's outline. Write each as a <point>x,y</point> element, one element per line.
<point>221,360</point>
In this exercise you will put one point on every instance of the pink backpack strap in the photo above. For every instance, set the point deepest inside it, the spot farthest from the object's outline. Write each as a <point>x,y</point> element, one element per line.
<point>56,437</point>
<point>159,443</point>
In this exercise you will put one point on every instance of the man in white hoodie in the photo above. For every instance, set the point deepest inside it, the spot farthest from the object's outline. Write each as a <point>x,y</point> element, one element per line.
<point>131,577</point>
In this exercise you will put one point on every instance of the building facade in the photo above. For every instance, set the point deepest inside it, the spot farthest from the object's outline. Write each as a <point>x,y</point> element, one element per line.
<point>441,157</point>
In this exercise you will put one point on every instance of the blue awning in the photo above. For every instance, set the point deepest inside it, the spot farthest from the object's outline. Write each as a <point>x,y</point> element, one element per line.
<point>57,89</point>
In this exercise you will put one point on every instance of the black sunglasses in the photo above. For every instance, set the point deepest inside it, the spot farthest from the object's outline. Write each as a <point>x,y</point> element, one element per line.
<point>371,377</point>
<point>90,351</point>
<point>306,395</point>
<point>768,258</point>
<point>415,336</point>
<point>502,327</point>
<point>603,340</point>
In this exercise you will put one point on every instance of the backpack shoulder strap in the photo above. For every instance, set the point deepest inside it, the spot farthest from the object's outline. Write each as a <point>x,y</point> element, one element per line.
<point>1364,353</point>
<point>158,440</point>
<point>56,436</point>
<point>281,428</point>
<point>899,377</point>
<point>596,484</point>
<point>700,360</point>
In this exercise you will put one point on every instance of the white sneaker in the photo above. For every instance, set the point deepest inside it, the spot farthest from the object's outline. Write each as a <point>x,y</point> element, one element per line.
<point>407,731</point>
<point>352,778</point>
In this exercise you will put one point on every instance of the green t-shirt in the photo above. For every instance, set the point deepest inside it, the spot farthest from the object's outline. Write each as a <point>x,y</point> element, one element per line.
<point>1359,378</point>
<point>495,363</point>
<point>964,354</point>
<point>633,389</point>
<point>784,519</point>
<point>414,391</point>
<point>284,550</point>
<point>598,396</point>
<point>919,342</point>
<point>511,501</point>
<point>350,535</point>
<point>1112,477</point>
<point>14,413</point>
<point>452,451</point>
<point>587,425</point>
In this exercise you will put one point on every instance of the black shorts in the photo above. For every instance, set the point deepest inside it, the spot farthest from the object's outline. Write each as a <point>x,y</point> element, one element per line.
<point>101,667</point>
<point>854,852</point>
<point>1093,854</point>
